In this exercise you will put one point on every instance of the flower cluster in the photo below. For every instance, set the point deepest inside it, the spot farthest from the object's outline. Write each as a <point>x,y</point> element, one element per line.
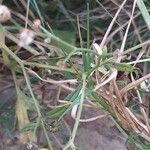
<point>26,36</point>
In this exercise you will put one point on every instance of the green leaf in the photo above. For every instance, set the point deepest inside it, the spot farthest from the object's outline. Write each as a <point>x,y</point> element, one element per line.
<point>61,111</point>
<point>124,67</point>
<point>56,112</point>
<point>144,12</point>
<point>73,94</point>
<point>120,66</point>
<point>73,97</point>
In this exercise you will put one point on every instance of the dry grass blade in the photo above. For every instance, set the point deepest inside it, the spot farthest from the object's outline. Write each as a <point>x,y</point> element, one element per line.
<point>126,33</point>
<point>112,74</point>
<point>142,129</point>
<point>123,114</point>
<point>24,3</point>
<point>71,81</point>
<point>133,84</point>
<point>143,112</point>
<point>111,25</point>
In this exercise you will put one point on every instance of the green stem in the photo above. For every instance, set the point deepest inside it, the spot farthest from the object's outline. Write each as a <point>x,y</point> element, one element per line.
<point>88,27</point>
<point>36,105</point>
<point>70,143</point>
<point>136,47</point>
<point>36,127</point>
<point>31,92</point>
<point>2,41</point>
<point>48,66</point>
<point>60,42</point>
<point>80,107</point>
<point>46,135</point>
<point>6,49</point>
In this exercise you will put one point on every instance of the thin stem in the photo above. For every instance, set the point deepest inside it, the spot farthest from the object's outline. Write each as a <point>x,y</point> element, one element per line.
<point>38,11</point>
<point>77,50</point>
<point>27,14</point>
<point>108,13</point>
<point>79,30</point>
<point>64,44</point>
<point>48,66</point>
<point>46,135</point>
<point>70,143</point>
<point>88,27</point>
<point>126,32</point>
<point>136,47</point>
<point>36,105</point>
<point>31,92</point>
<point>5,48</point>
<point>36,127</point>
<point>106,35</point>
<point>80,107</point>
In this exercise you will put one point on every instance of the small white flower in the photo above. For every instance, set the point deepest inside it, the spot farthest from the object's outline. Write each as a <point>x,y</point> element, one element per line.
<point>26,37</point>
<point>36,24</point>
<point>4,13</point>
<point>47,40</point>
<point>97,48</point>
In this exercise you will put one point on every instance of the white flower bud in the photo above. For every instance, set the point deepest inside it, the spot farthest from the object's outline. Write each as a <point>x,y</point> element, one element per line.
<point>26,37</point>
<point>4,13</point>
<point>36,24</point>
